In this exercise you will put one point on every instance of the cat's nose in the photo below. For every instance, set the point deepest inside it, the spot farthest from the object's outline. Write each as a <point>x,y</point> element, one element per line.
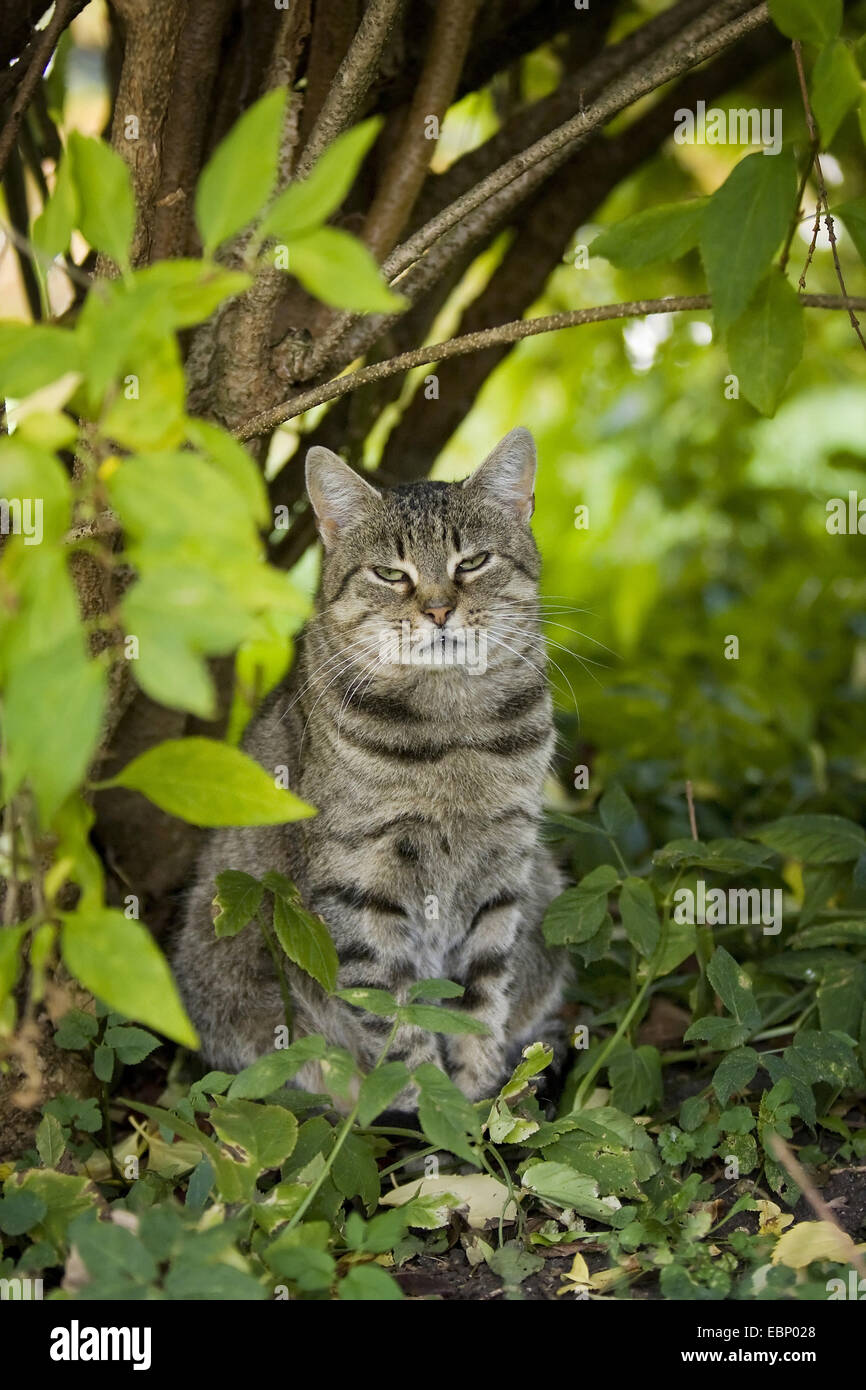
<point>438,612</point>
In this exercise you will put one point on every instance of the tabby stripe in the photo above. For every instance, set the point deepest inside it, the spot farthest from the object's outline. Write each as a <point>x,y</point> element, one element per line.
<point>521,702</point>
<point>353,896</point>
<point>503,900</point>
<point>351,837</point>
<point>356,952</point>
<point>504,746</point>
<point>350,574</point>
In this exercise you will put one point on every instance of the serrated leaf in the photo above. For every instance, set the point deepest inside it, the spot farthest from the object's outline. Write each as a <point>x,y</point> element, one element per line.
<point>816,839</point>
<point>444,1113</point>
<point>379,1089</point>
<point>238,898</point>
<point>743,225</point>
<point>639,915</point>
<point>765,343</point>
<point>661,233</point>
<point>238,178</point>
<point>306,941</point>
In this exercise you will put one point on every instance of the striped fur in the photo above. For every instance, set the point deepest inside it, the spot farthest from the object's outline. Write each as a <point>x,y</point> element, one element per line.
<point>424,858</point>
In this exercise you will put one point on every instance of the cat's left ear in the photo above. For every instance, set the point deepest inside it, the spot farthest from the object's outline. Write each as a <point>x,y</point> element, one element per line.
<point>507,475</point>
<point>340,496</point>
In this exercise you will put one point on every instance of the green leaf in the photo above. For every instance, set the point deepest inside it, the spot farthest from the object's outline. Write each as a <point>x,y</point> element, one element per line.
<point>118,960</point>
<point>640,917</point>
<point>238,898</point>
<point>267,1074</point>
<point>209,783</point>
<point>813,21</point>
<point>434,989</point>
<point>372,1001</point>
<point>662,233</point>
<point>238,468</point>
<point>512,1264</point>
<point>720,1033</point>
<point>733,987</point>
<point>50,1141</point>
<point>237,180</point>
<point>635,1075</point>
<point>445,1115</point>
<point>735,1072</point>
<point>576,915</point>
<point>106,208</point>
<point>339,270</point>
<point>132,1045</point>
<point>368,1283</point>
<point>853,214</point>
<point>355,1172</point>
<point>306,941</point>
<point>76,1030</point>
<point>103,1062</point>
<point>437,1020</point>
<point>10,958</point>
<point>836,88</point>
<point>816,839</point>
<point>616,811</point>
<point>20,1212</point>
<point>52,754</point>
<point>265,1133</point>
<point>311,201</point>
<point>743,224</point>
<point>559,1183</point>
<point>379,1089</point>
<point>53,227</point>
<point>766,342</point>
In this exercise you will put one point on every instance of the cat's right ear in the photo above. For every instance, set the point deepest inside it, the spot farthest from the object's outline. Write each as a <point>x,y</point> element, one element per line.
<point>339,495</point>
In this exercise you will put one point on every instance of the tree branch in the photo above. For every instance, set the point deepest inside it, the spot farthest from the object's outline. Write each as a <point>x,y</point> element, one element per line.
<point>409,162</point>
<point>502,333</point>
<point>469,218</point>
<point>44,44</point>
<point>350,86</point>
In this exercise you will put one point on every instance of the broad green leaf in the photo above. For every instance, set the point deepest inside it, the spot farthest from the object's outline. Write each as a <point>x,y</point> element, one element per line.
<point>306,941</point>
<point>635,1076</point>
<point>33,355</point>
<point>118,960</point>
<point>662,233</point>
<point>50,1140</point>
<point>816,839</point>
<point>267,1074</point>
<point>576,915</point>
<point>237,467</point>
<point>733,987</point>
<point>20,1212</point>
<point>765,343</point>
<point>640,917</point>
<point>437,1020</point>
<point>209,783</point>
<point>106,208</point>
<point>813,21</point>
<point>720,1033</point>
<point>310,202</point>
<point>355,1172</point>
<point>49,753</point>
<point>266,1133</point>
<point>132,1045</point>
<point>836,87</point>
<point>63,1196</point>
<point>238,898</point>
<point>238,178</point>
<point>434,989</point>
<point>368,1283</point>
<point>559,1183</point>
<point>379,1089</point>
<point>734,1072</point>
<point>743,224</point>
<point>110,1250</point>
<point>54,225</point>
<point>338,269</point>
<point>372,1001</point>
<point>616,810</point>
<point>445,1115</point>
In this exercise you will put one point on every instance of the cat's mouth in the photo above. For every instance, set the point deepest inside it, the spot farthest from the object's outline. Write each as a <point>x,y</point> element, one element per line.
<point>436,648</point>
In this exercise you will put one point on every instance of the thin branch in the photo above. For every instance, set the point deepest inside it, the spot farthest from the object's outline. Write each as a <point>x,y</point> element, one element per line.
<point>409,162</point>
<point>503,333</point>
<point>64,12</point>
<point>352,81</point>
<point>798,211</point>
<point>786,1157</point>
<point>823,200</point>
<point>470,216</point>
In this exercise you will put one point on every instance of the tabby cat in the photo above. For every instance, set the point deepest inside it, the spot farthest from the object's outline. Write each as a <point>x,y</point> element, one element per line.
<point>417,720</point>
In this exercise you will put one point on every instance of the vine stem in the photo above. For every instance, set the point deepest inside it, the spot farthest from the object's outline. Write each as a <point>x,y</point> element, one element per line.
<point>341,1137</point>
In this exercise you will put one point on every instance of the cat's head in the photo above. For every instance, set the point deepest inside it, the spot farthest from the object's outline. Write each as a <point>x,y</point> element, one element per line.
<point>445,558</point>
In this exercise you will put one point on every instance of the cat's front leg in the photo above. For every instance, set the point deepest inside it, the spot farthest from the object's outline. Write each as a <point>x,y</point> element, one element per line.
<point>483,966</point>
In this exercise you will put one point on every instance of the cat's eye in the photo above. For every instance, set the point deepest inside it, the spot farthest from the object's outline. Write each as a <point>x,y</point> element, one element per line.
<point>392,576</point>
<point>473,562</point>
